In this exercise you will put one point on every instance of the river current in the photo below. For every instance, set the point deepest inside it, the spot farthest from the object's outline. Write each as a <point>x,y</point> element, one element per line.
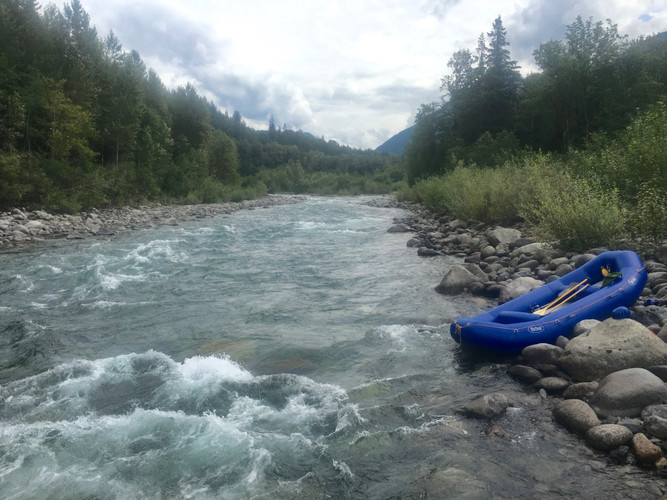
<point>295,351</point>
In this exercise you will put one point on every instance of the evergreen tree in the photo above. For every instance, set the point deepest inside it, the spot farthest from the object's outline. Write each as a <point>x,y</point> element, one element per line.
<point>500,82</point>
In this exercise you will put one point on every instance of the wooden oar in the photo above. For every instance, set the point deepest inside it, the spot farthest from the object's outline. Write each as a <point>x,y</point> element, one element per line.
<point>564,297</point>
<point>558,306</point>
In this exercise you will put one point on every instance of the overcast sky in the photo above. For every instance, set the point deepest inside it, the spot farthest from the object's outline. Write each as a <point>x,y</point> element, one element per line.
<point>355,71</point>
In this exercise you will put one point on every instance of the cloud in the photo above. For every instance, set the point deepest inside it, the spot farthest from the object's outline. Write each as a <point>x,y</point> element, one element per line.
<point>350,70</point>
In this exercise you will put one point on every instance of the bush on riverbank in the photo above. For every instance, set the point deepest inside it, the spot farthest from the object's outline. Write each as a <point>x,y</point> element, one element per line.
<point>611,189</point>
<point>293,178</point>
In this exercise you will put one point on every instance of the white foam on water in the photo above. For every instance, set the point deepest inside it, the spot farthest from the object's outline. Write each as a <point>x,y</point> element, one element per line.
<point>59,435</point>
<point>145,448</point>
<point>349,416</point>
<point>113,281</point>
<point>204,370</point>
<point>343,468</point>
<point>53,269</point>
<point>526,438</point>
<point>25,285</point>
<point>157,249</point>
<point>111,304</point>
<point>400,336</point>
<point>310,225</point>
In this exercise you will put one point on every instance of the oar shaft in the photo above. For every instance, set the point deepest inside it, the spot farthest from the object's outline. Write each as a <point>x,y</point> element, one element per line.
<point>561,298</point>
<point>570,297</point>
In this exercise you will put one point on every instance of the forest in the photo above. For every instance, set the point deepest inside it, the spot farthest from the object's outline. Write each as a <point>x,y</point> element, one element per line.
<point>576,151</point>
<point>84,123</point>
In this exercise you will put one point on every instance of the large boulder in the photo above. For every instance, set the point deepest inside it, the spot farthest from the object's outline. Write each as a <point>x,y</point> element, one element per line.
<point>457,280</point>
<point>503,235</point>
<point>627,392</point>
<point>518,287</point>
<point>611,346</point>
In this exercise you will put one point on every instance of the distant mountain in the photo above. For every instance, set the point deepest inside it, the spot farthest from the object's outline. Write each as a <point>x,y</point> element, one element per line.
<point>396,144</point>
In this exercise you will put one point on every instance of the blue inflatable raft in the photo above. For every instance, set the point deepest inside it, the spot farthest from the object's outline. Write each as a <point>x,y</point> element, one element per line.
<point>593,291</point>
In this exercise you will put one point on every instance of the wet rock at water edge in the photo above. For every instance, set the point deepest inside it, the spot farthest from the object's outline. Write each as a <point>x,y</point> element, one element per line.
<point>611,346</point>
<point>496,432</point>
<point>576,415</point>
<point>553,385</point>
<point>645,451</point>
<point>524,373</point>
<point>541,353</point>
<point>427,252</point>
<point>627,392</point>
<point>456,482</point>
<point>489,406</point>
<point>398,228</point>
<point>655,420</point>
<point>607,437</point>
<point>581,390</point>
<point>456,281</point>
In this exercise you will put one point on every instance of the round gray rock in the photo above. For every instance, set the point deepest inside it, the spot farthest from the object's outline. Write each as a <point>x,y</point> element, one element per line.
<point>525,373</point>
<point>552,384</point>
<point>611,346</point>
<point>457,280</point>
<point>576,415</point>
<point>503,235</point>
<point>581,390</point>
<point>489,406</point>
<point>608,437</point>
<point>398,228</point>
<point>518,287</point>
<point>542,354</point>
<point>627,392</point>
<point>537,251</point>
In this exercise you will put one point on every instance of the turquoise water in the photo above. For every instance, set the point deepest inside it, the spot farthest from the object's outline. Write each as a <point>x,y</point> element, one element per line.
<point>297,351</point>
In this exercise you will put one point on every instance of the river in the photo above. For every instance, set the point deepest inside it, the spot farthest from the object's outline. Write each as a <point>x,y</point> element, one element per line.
<point>296,351</point>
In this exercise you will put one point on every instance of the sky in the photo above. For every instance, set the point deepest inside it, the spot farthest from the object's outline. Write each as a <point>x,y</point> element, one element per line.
<point>355,71</point>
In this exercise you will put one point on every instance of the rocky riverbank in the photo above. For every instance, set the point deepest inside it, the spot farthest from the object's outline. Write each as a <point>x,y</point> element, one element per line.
<point>604,382</point>
<point>20,227</point>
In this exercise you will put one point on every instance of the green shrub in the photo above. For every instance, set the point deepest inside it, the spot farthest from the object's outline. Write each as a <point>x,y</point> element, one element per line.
<point>403,192</point>
<point>487,195</point>
<point>432,192</point>
<point>580,216</point>
<point>648,217</point>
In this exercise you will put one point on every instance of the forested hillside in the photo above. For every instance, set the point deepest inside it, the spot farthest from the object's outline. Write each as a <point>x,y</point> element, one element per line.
<point>593,82</point>
<point>84,123</point>
<point>576,150</point>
